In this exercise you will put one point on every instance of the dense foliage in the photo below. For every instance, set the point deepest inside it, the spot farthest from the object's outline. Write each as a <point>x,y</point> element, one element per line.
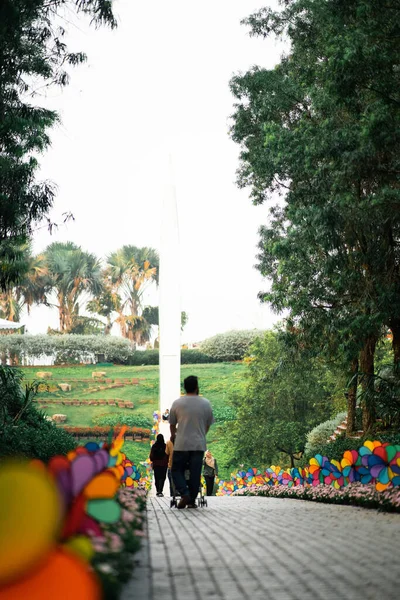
<point>323,130</point>
<point>68,348</point>
<point>286,395</point>
<point>232,345</point>
<point>33,54</point>
<point>24,431</point>
<point>75,349</point>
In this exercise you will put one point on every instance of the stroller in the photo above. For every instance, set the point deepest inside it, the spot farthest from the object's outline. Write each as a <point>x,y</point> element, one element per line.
<point>201,499</point>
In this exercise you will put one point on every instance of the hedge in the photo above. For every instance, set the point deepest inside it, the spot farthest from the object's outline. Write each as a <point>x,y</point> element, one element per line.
<point>131,420</point>
<point>105,431</point>
<point>230,346</point>
<point>319,436</point>
<point>151,357</point>
<point>25,431</point>
<point>75,349</point>
<point>68,348</point>
<point>41,441</point>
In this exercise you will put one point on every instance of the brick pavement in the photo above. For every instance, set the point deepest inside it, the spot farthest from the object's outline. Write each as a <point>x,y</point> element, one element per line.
<point>269,549</point>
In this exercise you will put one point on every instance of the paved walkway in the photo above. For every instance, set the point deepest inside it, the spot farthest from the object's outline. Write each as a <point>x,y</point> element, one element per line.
<point>269,549</point>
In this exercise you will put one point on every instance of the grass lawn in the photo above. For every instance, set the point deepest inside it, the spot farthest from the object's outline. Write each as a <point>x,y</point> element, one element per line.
<point>137,451</point>
<point>217,382</point>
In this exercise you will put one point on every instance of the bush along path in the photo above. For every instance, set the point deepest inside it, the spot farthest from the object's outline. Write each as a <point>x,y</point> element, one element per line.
<point>369,476</point>
<point>80,541</point>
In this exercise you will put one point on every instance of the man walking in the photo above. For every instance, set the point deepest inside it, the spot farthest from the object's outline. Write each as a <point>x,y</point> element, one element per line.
<point>190,419</point>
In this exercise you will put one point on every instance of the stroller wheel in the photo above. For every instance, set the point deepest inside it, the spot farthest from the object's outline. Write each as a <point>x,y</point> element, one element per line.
<point>173,503</point>
<point>205,502</point>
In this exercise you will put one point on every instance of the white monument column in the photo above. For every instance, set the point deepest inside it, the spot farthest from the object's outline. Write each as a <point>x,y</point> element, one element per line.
<point>170,300</point>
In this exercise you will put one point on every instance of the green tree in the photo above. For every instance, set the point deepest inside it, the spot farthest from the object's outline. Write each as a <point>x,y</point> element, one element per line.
<point>33,54</point>
<point>287,393</point>
<point>151,314</point>
<point>24,431</point>
<point>105,304</point>
<point>323,130</point>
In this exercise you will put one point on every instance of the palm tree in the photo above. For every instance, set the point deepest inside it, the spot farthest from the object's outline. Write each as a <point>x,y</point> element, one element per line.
<point>130,271</point>
<point>105,303</point>
<point>134,328</point>
<point>72,272</point>
<point>28,288</point>
<point>10,307</point>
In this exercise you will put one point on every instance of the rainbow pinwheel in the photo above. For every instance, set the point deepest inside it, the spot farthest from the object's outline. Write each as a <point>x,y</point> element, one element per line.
<point>46,555</point>
<point>350,462</point>
<point>374,462</point>
<point>381,464</point>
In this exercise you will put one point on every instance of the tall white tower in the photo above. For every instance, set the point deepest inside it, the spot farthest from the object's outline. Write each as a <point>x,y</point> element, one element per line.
<point>170,299</point>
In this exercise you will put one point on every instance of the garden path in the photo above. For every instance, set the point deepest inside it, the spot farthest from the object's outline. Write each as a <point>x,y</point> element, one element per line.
<point>269,549</point>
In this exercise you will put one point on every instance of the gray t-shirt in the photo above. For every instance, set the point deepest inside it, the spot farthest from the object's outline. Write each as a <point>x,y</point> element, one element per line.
<point>193,415</point>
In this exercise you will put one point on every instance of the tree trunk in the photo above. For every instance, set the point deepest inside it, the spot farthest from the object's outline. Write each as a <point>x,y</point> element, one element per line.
<point>62,312</point>
<point>108,327</point>
<point>352,398</point>
<point>395,328</point>
<point>63,319</point>
<point>367,366</point>
<point>122,325</point>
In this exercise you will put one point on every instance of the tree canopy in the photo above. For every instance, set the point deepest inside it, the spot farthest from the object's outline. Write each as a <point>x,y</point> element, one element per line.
<point>322,130</point>
<point>33,55</point>
<point>287,393</point>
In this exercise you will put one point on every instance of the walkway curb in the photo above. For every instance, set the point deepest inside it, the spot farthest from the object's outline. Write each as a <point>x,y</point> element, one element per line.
<point>140,586</point>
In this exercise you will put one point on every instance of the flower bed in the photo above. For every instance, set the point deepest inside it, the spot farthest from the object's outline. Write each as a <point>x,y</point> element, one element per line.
<point>356,494</point>
<point>374,463</point>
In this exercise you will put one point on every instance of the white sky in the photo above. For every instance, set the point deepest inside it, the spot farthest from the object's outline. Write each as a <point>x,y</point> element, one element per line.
<point>158,85</point>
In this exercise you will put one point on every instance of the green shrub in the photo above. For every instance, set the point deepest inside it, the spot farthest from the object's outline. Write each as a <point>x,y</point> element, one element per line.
<point>151,357</point>
<point>224,413</point>
<point>195,357</point>
<point>129,419</point>
<point>24,431</point>
<point>392,437</point>
<point>229,346</point>
<point>336,449</point>
<point>42,441</point>
<point>143,357</point>
<point>320,434</point>
<point>76,349</point>
<point>68,348</point>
